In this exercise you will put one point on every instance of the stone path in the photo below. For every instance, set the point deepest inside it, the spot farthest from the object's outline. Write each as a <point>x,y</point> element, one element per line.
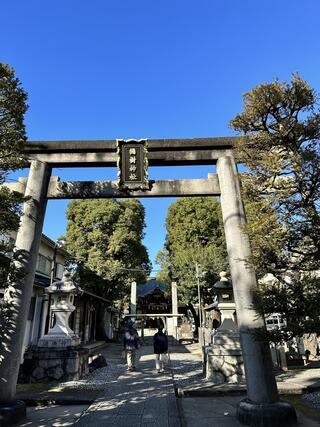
<point>145,398</point>
<point>52,416</point>
<point>136,399</point>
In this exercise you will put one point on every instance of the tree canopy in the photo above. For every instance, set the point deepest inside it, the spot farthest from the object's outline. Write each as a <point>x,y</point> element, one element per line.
<point>280,125</point>
<point>194,236</point>
<point>12,139</point>
<point>105,237</point>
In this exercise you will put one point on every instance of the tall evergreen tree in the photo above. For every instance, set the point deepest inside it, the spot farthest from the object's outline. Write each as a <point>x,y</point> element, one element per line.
<point>105,237</point>
<point>12,139</point>
<point>194,236</point>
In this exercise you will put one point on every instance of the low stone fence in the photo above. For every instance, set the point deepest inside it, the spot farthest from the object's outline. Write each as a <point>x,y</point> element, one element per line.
<point>46,365</point>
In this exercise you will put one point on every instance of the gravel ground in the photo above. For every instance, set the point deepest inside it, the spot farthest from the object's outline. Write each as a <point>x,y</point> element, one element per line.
<point>96,380</point>
<point>312,399</point>
<point>102,377</point>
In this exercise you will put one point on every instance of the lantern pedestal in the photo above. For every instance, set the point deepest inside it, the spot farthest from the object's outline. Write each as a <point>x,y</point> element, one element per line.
<point>224,362</point>
<point>54,364</point>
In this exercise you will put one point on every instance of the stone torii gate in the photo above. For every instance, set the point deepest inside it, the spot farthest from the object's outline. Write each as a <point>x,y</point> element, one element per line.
<point>262,405</point>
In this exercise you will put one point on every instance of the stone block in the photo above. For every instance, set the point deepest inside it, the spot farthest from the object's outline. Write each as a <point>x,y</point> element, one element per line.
<point>217,377</point>
<point>234,379</point>
<point>72,366</point>
<point>56,373</point>
<point>228,370</point>
<point>46,365</point>
<point>224,362</point>
<point>49,363</point>
<point>38,373</point>
<point>98,362</point>
<point>215,362</point>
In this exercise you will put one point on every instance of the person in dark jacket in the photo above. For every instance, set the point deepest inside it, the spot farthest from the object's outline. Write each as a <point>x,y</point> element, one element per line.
<point>160,347</point>
<point>130,345</point>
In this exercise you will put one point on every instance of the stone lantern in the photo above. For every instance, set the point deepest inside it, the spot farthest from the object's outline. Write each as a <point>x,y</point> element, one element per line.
<point>58,355</point>
<point>225,299</point>
<point>224,361</point>
<point>62,296</point>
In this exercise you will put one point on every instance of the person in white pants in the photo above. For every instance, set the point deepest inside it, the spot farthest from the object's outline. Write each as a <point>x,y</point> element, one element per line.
<point>160,347</point>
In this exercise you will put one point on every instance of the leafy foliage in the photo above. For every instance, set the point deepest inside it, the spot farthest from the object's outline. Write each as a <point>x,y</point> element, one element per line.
<point>12,139</point>
<point>280,125</point>
<point>105,237</point>
<point>194,235</point>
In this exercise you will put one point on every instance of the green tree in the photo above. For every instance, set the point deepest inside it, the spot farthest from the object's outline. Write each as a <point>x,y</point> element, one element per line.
<point>280,125</point>
<point>194,236</point>
<point>105,237</point>
<point>12,139</point>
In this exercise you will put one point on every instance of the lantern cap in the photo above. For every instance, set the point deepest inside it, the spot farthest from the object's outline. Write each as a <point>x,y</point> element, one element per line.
<point>223,283</point>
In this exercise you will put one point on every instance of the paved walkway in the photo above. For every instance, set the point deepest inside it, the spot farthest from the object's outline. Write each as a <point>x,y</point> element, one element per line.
<point>220,411</point>
<point>137,399</point>
<point>145,398</point>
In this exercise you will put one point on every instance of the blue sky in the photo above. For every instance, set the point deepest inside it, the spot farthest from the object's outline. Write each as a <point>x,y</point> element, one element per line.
<point>149,69</point>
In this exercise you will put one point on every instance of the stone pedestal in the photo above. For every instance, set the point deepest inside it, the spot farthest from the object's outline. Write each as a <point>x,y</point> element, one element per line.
<point>275,414</point>
<point>224,362</point>
<point>53,364</point>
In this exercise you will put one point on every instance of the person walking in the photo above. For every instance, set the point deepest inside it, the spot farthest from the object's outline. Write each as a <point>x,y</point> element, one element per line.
<point>160,347</point>
<point>130,345</point>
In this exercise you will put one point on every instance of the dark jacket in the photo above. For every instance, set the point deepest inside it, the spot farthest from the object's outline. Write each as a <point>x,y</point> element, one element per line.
<point>160,343</point>
<point>130,339</point>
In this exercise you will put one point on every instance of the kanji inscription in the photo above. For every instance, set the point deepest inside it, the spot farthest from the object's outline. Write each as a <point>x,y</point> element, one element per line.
<point>132,164</point>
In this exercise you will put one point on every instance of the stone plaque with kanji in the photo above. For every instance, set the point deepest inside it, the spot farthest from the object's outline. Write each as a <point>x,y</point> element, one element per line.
<point>132,164</point>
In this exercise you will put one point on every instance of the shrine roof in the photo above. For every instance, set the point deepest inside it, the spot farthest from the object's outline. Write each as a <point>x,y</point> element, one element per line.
<point>149,287</point>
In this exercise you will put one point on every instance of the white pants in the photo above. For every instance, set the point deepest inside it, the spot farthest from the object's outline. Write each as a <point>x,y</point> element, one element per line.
<point>131,358</point>
<point>160,361</point>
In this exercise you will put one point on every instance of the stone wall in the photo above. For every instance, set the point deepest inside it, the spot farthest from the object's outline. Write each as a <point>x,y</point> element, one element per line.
<point>48,365</point>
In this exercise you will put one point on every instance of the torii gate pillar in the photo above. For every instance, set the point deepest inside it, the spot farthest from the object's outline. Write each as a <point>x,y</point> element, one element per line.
<point>17,296</point>
<point>262,406</point>
<point>133,300</point>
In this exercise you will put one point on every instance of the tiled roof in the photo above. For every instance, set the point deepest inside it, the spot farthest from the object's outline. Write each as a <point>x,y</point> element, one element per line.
<point>149,287</point>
